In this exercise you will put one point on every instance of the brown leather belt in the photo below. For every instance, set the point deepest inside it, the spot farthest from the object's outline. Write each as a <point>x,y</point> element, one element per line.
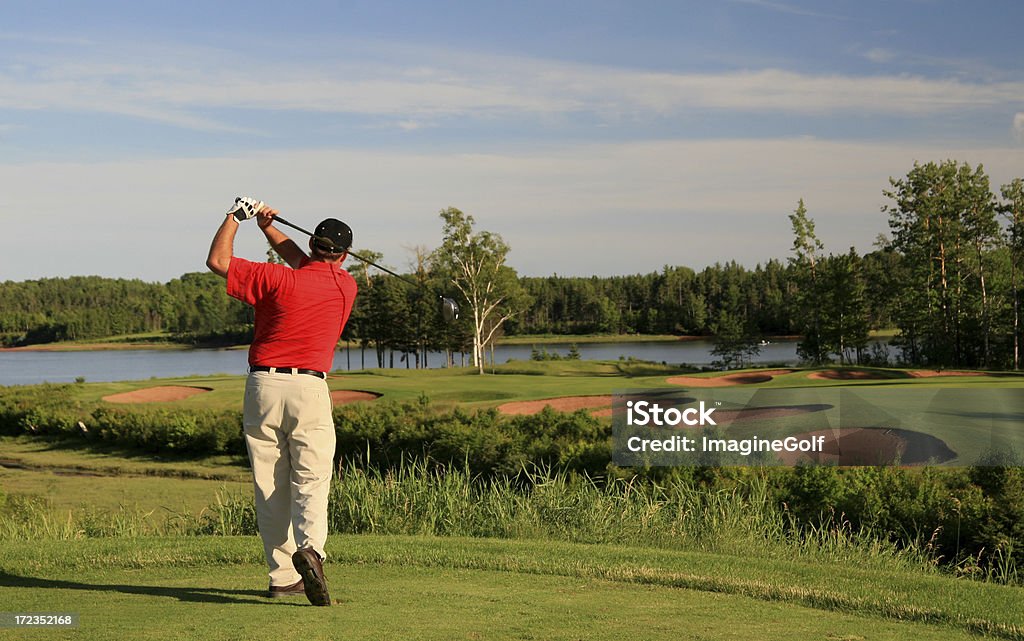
<point>287,370</point>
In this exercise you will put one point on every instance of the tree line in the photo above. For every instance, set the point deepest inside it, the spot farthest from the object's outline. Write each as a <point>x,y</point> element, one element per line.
<point>947,276</point>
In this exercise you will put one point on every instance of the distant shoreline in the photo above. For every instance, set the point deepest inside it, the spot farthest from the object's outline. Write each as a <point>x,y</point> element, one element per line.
<point>98,347</point>
<point>541,339</point>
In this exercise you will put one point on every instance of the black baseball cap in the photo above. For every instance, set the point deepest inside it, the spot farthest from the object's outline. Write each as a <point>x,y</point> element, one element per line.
<point>333,236</point>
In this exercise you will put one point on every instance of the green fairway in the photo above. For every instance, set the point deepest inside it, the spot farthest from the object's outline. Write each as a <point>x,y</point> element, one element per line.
<point>971,420</point>
<point>975,413</point>
<point>428,588</point>
<point>517,380</point>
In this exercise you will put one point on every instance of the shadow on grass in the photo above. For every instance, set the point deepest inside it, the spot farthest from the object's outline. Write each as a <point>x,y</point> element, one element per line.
<point>190,594</point>
<point>53,443</point>
<point>857,374</point>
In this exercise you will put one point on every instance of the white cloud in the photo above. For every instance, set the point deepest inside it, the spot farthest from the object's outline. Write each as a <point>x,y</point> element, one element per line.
<point>417,86</point>
<point>1018,126</point>
<point>879,55</point>
<point>792,9</point>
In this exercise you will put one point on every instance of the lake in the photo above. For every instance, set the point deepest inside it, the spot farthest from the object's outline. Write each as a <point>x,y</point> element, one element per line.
<point>25,368</point>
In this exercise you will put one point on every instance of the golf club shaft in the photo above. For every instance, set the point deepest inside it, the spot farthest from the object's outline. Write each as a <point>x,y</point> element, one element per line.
<point>355,255</point>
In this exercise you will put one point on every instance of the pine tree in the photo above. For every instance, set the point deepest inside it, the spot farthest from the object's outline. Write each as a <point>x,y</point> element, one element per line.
<point>808,287</point>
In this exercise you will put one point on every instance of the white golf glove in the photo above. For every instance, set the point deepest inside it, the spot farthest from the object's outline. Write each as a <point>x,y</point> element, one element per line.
<point>245,208</point>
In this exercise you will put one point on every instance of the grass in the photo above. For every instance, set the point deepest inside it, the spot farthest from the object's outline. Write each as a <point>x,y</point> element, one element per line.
<point>144,340</point>
<point>521,380</point>
<point>548,339</point>
<point>574,561</point>
<point>427,588</point>
<point>909,398</point>
<point>102,481</point>
<point>415,499</point>
<point>674,514</point>
<point>516,380</point>
<point>432,588</point>
<point>99,458</point>
<point>165,497</point>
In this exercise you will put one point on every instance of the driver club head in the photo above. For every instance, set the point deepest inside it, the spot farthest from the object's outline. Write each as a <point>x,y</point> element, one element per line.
<point>449,309</point>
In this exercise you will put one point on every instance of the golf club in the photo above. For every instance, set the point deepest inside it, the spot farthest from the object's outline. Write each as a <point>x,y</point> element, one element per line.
<point>449,308</point>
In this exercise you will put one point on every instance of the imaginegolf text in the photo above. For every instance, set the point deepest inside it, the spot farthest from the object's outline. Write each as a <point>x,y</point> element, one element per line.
<point>745,447</point>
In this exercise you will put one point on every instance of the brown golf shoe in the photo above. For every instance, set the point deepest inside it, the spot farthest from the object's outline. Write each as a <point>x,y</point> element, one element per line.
<point>278,591</point>
<point>310,566</point>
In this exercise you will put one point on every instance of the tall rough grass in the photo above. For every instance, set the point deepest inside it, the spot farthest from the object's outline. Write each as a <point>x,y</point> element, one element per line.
<point>414,499</point>
<point>569,507</point>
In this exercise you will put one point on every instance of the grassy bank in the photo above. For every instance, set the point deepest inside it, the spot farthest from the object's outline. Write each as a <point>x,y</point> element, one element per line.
<point>431,588</point>
<point>770,515</point>
<point>547,339</point>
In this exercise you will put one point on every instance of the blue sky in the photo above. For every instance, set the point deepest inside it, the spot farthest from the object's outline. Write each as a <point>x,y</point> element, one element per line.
<point>595,137</point>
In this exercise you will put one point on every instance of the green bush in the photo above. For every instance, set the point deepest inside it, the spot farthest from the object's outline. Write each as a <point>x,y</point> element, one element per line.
<point>968,518</point>
<point>384,434</point>
<point>193,431</point>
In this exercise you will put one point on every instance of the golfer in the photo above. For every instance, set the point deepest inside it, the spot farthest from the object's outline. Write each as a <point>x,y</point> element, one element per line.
<point>301,310</point>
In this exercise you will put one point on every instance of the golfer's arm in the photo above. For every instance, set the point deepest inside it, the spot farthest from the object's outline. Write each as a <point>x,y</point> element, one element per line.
<point>223,247</point>
<point>284,246</point>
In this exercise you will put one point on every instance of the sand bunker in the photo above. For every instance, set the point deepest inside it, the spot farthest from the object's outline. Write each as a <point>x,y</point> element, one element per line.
<point>873,446</point>
<point>161,394</point>
<point>727,380</point>
<point>342,396</point>
<point>562,404</point>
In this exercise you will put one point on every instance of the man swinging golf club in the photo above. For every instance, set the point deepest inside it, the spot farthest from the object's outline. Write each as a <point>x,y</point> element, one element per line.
<point>301,311</point>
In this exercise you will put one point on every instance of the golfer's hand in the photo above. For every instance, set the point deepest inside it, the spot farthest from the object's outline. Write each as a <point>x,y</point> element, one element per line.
<point>265,216</point>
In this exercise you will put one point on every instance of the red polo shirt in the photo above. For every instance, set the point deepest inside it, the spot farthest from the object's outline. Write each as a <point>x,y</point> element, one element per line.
<point>300,313</point>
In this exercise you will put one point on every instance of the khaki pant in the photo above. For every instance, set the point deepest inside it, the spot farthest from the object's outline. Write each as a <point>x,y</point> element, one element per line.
<point>289,433</point>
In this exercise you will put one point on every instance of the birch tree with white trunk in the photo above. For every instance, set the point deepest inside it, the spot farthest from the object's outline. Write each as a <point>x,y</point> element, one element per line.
<point>474,262</point>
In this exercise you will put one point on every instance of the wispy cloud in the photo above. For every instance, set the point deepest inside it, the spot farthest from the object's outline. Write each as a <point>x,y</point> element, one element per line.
<point>177,90</point>
<point>880,55</point>
<point>45,39</point>
<point>978,71</point>
<point>1018,126</point>
<point>791,9</point>
<point>410,125</point>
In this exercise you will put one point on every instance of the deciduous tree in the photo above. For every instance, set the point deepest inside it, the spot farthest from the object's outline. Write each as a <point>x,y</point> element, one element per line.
<point>474,262</point>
